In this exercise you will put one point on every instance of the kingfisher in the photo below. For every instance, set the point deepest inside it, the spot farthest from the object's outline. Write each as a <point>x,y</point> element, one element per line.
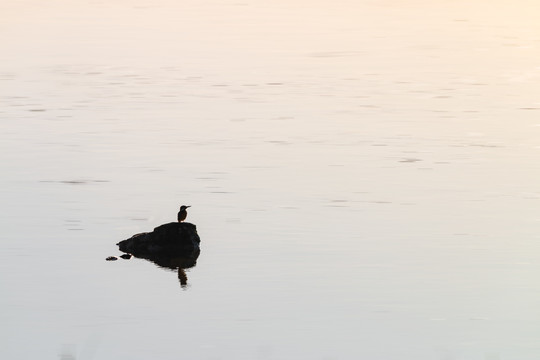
<point>182,213</point>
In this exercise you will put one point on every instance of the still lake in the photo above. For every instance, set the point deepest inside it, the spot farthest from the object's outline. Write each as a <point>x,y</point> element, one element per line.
<point>364,177</point>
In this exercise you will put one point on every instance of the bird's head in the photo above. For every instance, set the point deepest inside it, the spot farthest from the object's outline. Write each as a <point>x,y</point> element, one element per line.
<point>184,207</point>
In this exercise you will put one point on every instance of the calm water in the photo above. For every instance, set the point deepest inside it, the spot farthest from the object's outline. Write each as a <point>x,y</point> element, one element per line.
<point>363,175</point>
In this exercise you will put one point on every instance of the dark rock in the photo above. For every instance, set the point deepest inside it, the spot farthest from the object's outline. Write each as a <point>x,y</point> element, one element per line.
<point>126,256</point>
<point>174,246</point>
<point>111,258</point>
<point>167,239</point>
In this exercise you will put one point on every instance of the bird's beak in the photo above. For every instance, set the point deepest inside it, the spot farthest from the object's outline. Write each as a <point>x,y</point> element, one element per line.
<point>188,206</point>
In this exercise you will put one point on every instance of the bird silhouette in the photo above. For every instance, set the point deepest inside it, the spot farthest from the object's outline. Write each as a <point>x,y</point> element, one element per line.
<point>182,214</point>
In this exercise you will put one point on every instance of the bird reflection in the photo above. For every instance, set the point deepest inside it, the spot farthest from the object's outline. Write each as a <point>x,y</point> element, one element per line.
<point>182,277</point>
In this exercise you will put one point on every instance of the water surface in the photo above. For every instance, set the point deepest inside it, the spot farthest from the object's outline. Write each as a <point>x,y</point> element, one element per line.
<point>363,176</point>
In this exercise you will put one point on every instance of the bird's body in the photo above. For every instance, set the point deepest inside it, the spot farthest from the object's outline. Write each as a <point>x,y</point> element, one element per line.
<point>182,214</point>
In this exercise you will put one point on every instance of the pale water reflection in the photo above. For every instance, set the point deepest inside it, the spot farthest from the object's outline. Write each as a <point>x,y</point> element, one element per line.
<point>363,175</point>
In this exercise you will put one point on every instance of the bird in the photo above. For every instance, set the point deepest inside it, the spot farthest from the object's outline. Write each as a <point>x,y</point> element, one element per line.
<point>182,213</point>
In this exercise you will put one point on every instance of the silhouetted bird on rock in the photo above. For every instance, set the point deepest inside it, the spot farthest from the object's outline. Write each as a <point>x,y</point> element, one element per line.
<point>182,214</point>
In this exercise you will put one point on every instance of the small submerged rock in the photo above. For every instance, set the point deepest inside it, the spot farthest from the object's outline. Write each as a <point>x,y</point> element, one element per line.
<point>111,258</point>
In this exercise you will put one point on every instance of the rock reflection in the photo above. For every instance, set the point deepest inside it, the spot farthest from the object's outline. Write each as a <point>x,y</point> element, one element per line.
<point>179,260</point>
<point>174,246</point>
